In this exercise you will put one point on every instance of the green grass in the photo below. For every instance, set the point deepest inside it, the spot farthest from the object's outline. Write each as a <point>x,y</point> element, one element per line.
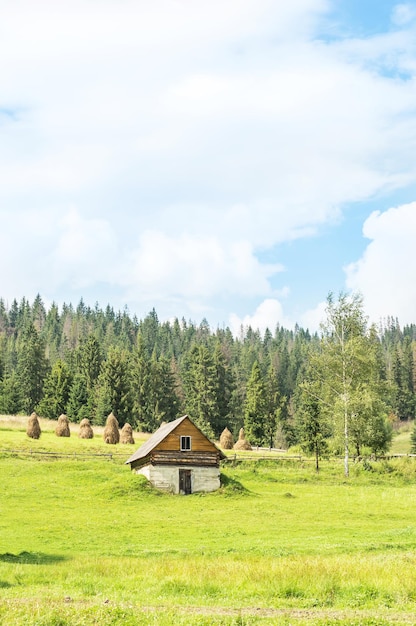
<point>401,443</point>
<point>84,541</point>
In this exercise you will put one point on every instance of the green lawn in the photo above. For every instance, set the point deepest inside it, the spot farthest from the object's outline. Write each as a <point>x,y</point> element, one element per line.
<point>84,541</point>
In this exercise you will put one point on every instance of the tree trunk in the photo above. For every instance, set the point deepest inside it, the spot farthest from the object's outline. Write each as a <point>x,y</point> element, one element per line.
<point>346,457</point>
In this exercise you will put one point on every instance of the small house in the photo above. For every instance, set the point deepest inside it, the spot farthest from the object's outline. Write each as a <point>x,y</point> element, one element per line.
<point>179,458</point>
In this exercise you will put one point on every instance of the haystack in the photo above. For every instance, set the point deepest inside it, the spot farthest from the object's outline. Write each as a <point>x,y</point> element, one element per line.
<point>85,429</point>
<point>62,427</point>
<point>126,435</point>
<point>111,433</point>
<point>242,443</point>
<point>33,426</point>
<point>226,440</point>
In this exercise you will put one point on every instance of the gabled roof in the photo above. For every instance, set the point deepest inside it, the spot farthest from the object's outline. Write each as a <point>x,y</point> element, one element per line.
<point>158,436</point>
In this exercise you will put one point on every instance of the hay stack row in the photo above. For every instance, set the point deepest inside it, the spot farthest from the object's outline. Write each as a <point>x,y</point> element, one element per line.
<point>227,441</point>
<point>111,431</point>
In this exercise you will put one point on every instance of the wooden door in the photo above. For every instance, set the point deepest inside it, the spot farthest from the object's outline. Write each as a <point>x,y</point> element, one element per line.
<point>185,485</point>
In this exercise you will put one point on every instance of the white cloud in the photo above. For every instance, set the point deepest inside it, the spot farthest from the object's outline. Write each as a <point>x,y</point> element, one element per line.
<point>192,138</point>
<point>313,318</point>
<point>403,13</point>
<point>194,267</point>
<point>46,250</point>
<point>25,238</point>
<point>86,251</point>
<point>271,312</point>
<point>386,273</point>
<point>267,315</point>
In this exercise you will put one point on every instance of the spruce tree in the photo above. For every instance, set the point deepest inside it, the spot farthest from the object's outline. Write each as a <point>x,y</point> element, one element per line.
<point>312,424</point>
<point>274,405</point>
<point>90,361</point>
<point>201,401</point>
<point>31,368</point>
<point>80,402</point>
<point>115,386</point>
<point>143,418</point>
<point>10,398</point>
<point>56,391</point>
<point>225,386</point>
<point>255,409</point>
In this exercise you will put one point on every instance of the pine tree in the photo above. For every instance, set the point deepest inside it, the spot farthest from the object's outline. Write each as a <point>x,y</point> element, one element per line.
<point>115,386</point>
<point>201,401</point>
<point>225,386</point>
<point>38,313</point>
<point>80,403</point>
<point>102,401</point>
<point>90,361</point>
<point>56,391</point>
<point>274,405</point>
<point>143,418</point>
<point>255,409</point>
<point>165,398</point>
<point>149,330</point>
<point>10,399</point>
<point>312,424</point>
<point>31,368</point>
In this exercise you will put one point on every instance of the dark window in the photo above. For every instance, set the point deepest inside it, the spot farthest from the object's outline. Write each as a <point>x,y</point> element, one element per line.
<point>185,443</point>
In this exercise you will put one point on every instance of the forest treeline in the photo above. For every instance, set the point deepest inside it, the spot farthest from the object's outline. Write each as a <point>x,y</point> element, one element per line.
<point>88,362</point>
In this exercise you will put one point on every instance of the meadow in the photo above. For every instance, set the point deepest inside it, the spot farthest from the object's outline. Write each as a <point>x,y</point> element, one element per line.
<point>84,541</point>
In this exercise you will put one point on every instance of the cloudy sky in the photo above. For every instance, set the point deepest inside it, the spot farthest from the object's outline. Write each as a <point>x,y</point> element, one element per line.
<point>233,160</point>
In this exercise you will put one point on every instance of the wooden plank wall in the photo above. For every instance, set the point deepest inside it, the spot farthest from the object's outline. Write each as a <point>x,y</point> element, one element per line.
<point>201,459</point>
<point>200,443</point>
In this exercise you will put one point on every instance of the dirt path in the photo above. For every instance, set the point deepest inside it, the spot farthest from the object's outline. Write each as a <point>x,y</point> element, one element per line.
<point>290,616</point>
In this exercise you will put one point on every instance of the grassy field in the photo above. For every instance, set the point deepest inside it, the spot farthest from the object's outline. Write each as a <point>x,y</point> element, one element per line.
<point>83,541</point>
<point>401,441</point>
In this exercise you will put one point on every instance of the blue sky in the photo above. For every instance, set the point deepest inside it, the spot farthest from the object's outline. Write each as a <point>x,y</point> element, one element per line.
<point>231,160</point>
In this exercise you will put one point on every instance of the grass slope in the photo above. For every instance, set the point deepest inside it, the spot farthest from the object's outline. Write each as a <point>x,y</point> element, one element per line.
<point>85,541</point>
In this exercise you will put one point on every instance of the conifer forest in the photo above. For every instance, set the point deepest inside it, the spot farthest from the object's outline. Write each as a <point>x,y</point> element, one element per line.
<point>285,387</point>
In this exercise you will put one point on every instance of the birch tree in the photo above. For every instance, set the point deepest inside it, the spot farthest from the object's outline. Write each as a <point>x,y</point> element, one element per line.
<point>346,367</point>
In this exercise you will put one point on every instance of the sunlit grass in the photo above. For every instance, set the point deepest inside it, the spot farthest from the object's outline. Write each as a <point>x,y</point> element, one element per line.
<point>401,443</point>
<point>85,541</point>
<point>13,438</point>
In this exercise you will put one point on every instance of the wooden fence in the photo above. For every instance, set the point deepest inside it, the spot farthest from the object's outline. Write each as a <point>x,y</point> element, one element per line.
<point>232,459</point>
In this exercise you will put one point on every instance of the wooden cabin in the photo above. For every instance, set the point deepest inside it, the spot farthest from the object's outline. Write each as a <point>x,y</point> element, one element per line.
<point>179,458</point>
